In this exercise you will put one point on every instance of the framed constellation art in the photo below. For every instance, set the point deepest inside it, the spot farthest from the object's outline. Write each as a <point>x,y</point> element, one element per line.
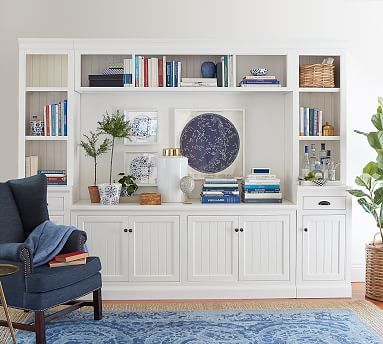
<point>144,127</point>
<point>143,166</point>
<point>212,140</point>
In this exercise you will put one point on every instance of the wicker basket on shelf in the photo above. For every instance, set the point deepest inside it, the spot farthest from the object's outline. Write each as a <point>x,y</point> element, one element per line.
<point>374,270</point>
<point>316,75</point>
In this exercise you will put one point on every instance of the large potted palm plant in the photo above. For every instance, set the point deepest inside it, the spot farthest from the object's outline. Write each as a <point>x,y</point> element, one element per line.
<point>370,198</point>
<point>117,127</point>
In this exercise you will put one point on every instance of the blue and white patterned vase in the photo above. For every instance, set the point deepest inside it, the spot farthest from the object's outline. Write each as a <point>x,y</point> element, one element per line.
<point>110,193</point>
<point>37,128</point>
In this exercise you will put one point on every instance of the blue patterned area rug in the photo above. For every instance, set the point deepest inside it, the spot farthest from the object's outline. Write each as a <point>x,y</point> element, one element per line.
<point>277,326</point>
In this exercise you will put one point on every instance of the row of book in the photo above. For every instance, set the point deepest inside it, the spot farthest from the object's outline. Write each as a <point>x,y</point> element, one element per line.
<point>310,121</point>
<point>260,81</point>
<point>55,119</point>
<point>261,187</point>
<point>55,177</point>
<point>220,191</point>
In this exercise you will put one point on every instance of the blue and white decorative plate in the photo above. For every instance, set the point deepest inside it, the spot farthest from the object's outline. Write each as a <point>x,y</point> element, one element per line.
<point>211,143</point>
<point>144,127</point>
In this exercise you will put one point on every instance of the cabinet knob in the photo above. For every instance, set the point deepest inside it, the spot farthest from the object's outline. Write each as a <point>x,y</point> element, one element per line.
<point>324,203</point>
<point>125,230</point>
<point>130,230</point>
<point>241,229</point>
<point>236,229</point>
<point>305,229</point>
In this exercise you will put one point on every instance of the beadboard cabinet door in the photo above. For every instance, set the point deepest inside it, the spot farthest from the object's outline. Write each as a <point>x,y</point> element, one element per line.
<point>107,239</point>
<point>323,247</point>
<point>264,248</point>
<point>213,248</point>
<point>154,248</point>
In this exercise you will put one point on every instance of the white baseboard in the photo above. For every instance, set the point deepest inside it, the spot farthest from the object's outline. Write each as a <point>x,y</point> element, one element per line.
<point>358,272</point>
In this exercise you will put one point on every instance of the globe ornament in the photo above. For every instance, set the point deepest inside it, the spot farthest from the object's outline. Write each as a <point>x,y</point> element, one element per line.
<point>187,184</point>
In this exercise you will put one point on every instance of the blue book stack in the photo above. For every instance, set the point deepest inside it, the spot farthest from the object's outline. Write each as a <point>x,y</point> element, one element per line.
<point>264,80</point>
<point>220,191</point>
<point>262,187</point>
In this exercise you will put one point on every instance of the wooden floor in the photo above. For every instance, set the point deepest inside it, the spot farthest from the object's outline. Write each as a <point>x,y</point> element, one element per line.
<point>357,294</point>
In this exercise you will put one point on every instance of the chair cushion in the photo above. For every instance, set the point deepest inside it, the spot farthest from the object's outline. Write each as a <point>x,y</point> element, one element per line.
<point>11,227</point>
<point>31,198</point>
<point>44,278</point>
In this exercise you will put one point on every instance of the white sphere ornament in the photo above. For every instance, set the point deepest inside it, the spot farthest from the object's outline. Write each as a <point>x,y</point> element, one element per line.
<point>187,184</point>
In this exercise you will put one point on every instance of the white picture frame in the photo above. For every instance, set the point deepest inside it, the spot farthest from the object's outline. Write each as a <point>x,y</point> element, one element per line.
<point>236,117</point>
<point>144,127</point>
<point>136,164</point>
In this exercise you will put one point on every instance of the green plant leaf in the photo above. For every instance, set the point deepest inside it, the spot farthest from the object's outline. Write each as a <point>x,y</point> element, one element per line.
<point>357,193</point>
<point>364,180</point>
<point>375,139</point>
<point>377,119</point>
<point>368,207</point>
<point>378,196</point>
<point>371,168</point>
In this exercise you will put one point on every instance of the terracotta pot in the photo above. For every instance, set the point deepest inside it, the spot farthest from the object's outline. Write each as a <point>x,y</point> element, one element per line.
<point>94,194</point>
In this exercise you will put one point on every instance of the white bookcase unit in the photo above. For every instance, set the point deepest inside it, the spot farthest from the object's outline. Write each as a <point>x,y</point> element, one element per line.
<point>299,248</point>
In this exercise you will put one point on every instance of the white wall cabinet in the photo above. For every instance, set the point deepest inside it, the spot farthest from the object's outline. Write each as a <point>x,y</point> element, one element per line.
<point>154,248</point>
<point>323,248</point>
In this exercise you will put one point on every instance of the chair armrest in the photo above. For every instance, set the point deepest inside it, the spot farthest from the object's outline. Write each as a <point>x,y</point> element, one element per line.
<point>75,242</point>
<point>18,253</point>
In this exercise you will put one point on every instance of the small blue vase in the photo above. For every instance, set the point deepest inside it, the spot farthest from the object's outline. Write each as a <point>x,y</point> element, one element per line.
<point>208,69</point>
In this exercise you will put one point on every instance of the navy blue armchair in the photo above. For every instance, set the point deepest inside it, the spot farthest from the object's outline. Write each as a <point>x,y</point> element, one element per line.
<point>23,206</point>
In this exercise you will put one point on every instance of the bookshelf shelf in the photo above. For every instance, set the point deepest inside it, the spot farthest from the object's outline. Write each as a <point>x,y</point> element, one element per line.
<point>319,138</point>
<point>319,90</point>
<point>46,138</point>
<point>182,89</point>
<point>46,89</point>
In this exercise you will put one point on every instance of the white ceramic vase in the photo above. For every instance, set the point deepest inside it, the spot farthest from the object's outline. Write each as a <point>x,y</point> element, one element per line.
<point>170,170</point>
<point>109,193</point>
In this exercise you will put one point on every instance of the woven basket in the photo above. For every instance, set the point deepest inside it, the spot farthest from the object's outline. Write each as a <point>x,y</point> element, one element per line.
<point>374,270</point>
<point>316,75</point>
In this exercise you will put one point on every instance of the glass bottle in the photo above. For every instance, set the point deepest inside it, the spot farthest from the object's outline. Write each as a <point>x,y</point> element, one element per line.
<point>323,154</point>
<point>313,157</point>
<point>305,162</point>
<point>318,174</point>
<point>326,165</point>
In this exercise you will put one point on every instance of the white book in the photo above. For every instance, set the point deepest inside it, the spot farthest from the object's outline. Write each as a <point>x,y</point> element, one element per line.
<point>155,71</point>
<point>320,122</point>
<point>34,164</point>
<point>220,185</point>
<point>223,71</point>
<point>259,77</point>
<point>150,69</point>
<point>261,176</point>
<point>204,80</point>
<point>164,71</point>
<point>197,84</point>
<point>263,182</point>
<point>306,121</point>
<point>179,74</point>
<point>269,195</point>
<point>260,85</point>
<point>219,193</point>
<point>133,71</point>
<point>221,180</point>
<point>45,120</point>
<point>301,121</point>
<point>27,166</point>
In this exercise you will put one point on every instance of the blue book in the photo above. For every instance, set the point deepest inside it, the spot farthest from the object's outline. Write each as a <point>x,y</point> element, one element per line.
<point>175,72</point>
<point>53,119</point>
<point>168,73</point>
<point>220,199</point>
<point>306,121</point>
<point>137,71</point>
<point>65,117</point>
<point>262,186</point>
<point>262,82</point>
<point>311,124</point>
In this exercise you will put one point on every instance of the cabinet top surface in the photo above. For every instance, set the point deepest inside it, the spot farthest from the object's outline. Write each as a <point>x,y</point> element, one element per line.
<point>195,205</point>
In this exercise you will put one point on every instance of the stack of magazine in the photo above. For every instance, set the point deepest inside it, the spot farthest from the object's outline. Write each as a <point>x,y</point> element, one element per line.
<point>220,191</point>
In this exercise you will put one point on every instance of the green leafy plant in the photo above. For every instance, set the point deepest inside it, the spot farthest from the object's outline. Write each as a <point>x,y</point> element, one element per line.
<point>117,127</point>
<point>370,197</point>
<point>89,144</point>
<point>128,182</point>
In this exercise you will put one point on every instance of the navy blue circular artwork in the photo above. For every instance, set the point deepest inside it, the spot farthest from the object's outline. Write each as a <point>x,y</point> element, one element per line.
<point>210,142</point>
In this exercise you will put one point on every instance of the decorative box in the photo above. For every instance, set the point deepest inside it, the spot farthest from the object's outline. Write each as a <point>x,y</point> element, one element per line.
<point>150,198</point>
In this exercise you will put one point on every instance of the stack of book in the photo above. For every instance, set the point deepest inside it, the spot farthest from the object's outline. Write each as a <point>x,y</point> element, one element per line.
<point>310,122</point>
<point>262,187</point>
<point>199,82</point>
<point>220,191</point>
<point>68,259</point>
<point>56,119</point>
<point>55,177</point>
<point>128,72</point>
<point>225,74</point>
<point>259,81</point>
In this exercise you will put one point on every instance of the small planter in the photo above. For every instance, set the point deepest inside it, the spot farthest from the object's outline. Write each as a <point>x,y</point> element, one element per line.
<point>374,270</point>
<point>110,193</point>
<point>94,194</point>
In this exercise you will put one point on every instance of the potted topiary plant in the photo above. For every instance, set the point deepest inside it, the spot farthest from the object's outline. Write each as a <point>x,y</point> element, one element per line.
<point>129,186</point>
<point>89,144</point>
<point>370,198</point>
<point>117,127</point>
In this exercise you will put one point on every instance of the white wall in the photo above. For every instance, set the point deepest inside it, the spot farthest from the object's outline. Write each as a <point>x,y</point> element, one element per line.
<point>357,23</point>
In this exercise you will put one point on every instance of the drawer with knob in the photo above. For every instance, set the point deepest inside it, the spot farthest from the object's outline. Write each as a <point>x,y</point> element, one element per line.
<point>324,203</point>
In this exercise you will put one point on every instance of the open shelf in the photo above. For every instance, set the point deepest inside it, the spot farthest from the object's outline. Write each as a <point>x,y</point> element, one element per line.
<point>319,138</point>
<point>46,138</point>
<point>46,89</point>
<point>319,90</point>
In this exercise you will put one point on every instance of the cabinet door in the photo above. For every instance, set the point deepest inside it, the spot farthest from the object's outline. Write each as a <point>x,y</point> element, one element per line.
<point>212,248</point>
<point>107,240</point>
<point>57,219</point>
<point>154,248</point>
<point>323,247</point>
<point>264,248</point>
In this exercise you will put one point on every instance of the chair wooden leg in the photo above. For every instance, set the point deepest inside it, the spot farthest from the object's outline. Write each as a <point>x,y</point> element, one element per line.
<point>97,304</point>
<point>40,327</point>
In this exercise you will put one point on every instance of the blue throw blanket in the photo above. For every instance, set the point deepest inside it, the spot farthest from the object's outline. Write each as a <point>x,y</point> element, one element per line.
<point>47,241</point>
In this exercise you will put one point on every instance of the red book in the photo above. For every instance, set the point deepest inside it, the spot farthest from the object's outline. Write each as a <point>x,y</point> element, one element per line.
<point>146,73</point>
<point>47,120</point>
<point>70,257</point>
<point>160,72</point>
<point>55,264</point>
